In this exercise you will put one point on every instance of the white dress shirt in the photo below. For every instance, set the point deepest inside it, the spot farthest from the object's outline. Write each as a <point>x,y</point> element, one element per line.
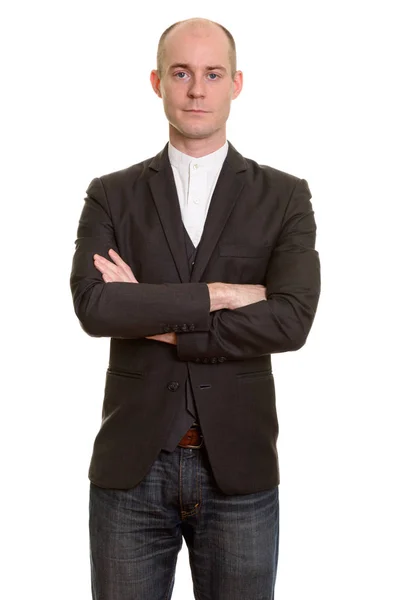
<point>195,180</point>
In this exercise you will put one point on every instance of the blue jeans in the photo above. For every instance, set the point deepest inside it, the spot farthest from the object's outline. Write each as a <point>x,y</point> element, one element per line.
<point>136,535</point>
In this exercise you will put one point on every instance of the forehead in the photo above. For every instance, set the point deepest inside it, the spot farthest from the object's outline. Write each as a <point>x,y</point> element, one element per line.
<point>196,47</point>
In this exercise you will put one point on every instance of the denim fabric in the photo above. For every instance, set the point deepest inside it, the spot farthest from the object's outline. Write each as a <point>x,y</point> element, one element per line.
<point>136,535</point>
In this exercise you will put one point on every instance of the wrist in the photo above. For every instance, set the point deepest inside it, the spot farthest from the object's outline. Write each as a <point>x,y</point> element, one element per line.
<point>220,296</point>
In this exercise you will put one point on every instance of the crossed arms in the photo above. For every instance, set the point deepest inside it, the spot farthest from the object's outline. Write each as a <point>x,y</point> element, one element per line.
<point>222,295</point>
<point>230,320</point>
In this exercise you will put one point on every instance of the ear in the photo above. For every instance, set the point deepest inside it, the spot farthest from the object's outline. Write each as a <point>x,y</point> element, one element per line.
<point>237,84</point>
<point>155,82</point>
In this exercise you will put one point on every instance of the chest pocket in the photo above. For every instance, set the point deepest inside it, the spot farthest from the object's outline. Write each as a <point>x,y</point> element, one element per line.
<point>244,250</point>
<point>243,263</point>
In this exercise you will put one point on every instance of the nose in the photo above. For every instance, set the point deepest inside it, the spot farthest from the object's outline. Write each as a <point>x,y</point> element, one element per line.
<point>196,88</point>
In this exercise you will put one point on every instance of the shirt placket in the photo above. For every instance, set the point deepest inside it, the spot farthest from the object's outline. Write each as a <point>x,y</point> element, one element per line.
<point>196,196</point>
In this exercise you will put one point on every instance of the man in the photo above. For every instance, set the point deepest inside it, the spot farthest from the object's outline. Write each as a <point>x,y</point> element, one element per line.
<point>198,264</point>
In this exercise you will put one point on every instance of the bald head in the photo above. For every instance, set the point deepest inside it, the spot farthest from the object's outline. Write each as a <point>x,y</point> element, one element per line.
<point>196,27</point>
<point>196,78</point>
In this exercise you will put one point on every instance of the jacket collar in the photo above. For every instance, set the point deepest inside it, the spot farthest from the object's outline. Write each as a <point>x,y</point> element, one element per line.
<point>236,161</point>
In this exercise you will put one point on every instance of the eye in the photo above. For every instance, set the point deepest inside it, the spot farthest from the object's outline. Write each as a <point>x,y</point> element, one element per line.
<point>179,73</point>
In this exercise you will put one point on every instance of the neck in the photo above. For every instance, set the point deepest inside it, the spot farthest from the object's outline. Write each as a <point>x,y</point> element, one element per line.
<point>197,147</point>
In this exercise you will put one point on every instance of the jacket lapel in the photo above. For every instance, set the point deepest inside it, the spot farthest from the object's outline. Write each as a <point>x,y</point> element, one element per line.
<point>163,189</point>
<point>227,190</point>
<point>226,193</point>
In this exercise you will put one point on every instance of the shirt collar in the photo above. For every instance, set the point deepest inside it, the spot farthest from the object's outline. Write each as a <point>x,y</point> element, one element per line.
<point>209,161</point>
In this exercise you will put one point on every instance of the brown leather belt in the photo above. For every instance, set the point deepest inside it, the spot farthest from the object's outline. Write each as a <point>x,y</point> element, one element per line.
<point>193,438</point>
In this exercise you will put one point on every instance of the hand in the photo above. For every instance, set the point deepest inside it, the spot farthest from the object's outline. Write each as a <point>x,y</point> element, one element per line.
<point>245,294</point>
<point>118,272</point>
<point>234,295</point>
<point>168,338</point>
<point>121,272</point>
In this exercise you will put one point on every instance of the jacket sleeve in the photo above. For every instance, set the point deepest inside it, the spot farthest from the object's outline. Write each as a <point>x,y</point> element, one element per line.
<point>283,321</point>
<point>126,310</point>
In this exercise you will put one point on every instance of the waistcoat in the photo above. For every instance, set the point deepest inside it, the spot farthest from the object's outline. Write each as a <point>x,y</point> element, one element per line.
<point>186,414</point>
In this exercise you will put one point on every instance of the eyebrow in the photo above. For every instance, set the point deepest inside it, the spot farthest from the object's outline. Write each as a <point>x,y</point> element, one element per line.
<point>187,66</point>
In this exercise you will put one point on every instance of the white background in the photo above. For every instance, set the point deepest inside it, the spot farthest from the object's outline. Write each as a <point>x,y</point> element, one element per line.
<point>319,101</point>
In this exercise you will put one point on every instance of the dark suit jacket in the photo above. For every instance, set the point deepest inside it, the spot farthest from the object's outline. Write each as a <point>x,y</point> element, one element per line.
<point>260,229</point>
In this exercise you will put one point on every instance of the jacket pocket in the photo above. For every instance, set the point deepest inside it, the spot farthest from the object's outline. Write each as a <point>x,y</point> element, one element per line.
<point>254,375</point>
<point>244,250</point>
<point>129,374</point>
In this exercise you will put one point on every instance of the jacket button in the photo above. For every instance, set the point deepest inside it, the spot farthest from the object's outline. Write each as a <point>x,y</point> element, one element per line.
<point>192,327</point>
<point>173,386</point>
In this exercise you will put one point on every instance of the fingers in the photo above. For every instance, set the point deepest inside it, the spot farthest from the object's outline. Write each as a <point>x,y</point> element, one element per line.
<point>125,268</point>
<point>118,261</point>
<point>168,338</point>
<point>109,272</point>
<point>104,265</point>
<point>112,272</point>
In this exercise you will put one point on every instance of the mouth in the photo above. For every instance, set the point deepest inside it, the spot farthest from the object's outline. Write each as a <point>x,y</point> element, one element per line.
<point>197,111</point>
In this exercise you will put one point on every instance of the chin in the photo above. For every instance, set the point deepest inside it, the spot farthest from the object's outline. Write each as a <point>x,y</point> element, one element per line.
<point>193,132</point>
